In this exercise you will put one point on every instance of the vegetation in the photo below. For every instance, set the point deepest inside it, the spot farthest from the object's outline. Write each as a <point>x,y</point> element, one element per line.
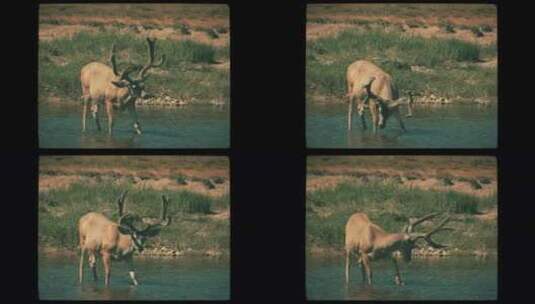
<point>390,206</point>
<point>392,189</point>
<point>193,228</point>
<point>70,186</point>
<point>187,72</point>
<point>451,63</point>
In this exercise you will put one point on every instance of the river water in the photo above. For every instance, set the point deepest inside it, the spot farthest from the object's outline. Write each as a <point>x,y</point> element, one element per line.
<point>160,279</point>
<point>447,126</point>
<point>451,278</point>
<point>191,126</point>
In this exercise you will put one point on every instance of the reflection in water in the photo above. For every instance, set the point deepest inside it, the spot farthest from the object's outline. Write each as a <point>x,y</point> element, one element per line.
<point>181,278</point>
<point>448,126</point>
<point>192,126</point>
<point>104,140</point>
<point>451,278</point>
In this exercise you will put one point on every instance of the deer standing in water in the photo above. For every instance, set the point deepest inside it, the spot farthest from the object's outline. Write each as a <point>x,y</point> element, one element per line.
<point>99,236</point>
<point>371,242</point>
<point>105,85</point>
<point>364,80</point>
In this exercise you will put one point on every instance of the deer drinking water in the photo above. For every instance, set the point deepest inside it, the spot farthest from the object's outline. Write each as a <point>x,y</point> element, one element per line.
<point>371,242</point>
<point>365,81</point>
<point>116,90</point>
<point>99,236</point>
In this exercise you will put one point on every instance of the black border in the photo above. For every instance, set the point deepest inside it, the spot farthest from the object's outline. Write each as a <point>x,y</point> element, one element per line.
<point>261,233</point>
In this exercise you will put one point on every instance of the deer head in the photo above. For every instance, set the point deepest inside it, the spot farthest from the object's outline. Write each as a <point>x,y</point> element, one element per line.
<point>136,86</point>
<point>412,237</point>
<point>126,224</point>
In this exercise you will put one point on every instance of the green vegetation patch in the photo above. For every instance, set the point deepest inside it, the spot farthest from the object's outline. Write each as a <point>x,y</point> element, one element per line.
<point>452,63</point>
<point>187,71</point>
<point>192,225</point>
<point>390,205</point>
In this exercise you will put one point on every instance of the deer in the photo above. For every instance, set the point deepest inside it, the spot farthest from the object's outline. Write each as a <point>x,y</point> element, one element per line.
<point>102,84</point>
<point>366,81</point>
<point>370,242</point>
<point>101,237</point>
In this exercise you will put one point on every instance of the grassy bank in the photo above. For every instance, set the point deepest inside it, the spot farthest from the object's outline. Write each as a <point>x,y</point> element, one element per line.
<point>189,73</point>
<point>197,188</point>
<point>392,189</point>
<point>444,67</point>
<point>390,206</point>
<point>196,227</point>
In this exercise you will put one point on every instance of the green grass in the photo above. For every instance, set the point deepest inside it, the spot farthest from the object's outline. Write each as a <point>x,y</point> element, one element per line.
<point>453,62</point>
<point>390,206</point>
<point>191,227</point>
<point>61,60</point>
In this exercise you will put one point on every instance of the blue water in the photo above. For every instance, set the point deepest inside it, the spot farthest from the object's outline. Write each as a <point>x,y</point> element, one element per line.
<point>160,279</point>
<point>447,126</point>
<point>451,278</point>
<point>191,126</point>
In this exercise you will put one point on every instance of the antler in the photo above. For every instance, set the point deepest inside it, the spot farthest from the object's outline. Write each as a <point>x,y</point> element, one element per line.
<point>427,236</point>
<point>126,221</point>
<point>112,59</point>
<point>164,220</point>
<point>123,75</point>
<point>413,223</point>
<point>150,64</point>
<point>120,202</point>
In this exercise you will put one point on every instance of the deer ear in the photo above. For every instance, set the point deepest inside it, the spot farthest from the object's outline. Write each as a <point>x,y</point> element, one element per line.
<point>119,84</point>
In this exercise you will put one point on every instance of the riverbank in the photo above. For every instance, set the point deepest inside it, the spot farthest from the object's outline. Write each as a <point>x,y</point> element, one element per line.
<point>197,188</point>
<point>438,58</point>
<point>391,190</point>
<point>194,38</point>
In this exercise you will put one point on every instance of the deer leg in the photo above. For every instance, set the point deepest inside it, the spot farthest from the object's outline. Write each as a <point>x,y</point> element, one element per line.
<point>133,113</point>
<point>131,270</point>
<point>106,260</point>
<point>401,125</point>
<point>349,112</point>
<point>398,276</point>
<point>81,268</point>
<point>348,253</point>
<point>85,105</point>
<point>93,265</point>
<point>94,113</point>
<point>367,267</point>
<point>109,112</point>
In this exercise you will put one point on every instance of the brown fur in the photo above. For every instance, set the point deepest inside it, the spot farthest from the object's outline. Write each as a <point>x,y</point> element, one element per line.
<point>370,241</point>
<point>382,98</point>
<point>101,237</point>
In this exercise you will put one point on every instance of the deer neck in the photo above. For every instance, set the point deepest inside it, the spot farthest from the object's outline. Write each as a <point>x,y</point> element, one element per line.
<point>125,246</point>
<point>386,244</point>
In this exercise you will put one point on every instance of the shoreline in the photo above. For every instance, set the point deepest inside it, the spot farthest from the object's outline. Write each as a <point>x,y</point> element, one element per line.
<point>424,253</point>
<point>150,253</point>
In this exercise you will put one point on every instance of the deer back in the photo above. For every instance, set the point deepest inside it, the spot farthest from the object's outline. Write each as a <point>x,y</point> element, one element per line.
<point>97,78</point>
<point>361,70</point>
<point>359,232</point>
<point>97,232</point>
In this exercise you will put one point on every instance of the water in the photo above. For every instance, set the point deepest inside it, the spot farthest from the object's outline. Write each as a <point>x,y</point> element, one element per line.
<point>448,126</point>
<point>452,278</point>
<point>192,126</point>
<point>159,278</point>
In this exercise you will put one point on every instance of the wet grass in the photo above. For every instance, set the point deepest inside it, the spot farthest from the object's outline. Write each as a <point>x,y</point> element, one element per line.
<point>452,62</point>
<point>191,226</point>
<point>390,206</point>
<point>187,72</point>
